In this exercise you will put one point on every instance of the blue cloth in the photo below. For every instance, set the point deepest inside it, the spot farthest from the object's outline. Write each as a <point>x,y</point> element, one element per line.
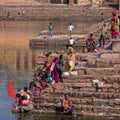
<point>72,110</point>
<point>41,33</point>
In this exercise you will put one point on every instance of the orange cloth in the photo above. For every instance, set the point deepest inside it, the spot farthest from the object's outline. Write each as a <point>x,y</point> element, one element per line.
<point>72,57</point>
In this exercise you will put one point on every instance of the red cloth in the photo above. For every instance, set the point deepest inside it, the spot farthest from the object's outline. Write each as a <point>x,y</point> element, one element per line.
<point>44,84</point>
<point>11,91</point>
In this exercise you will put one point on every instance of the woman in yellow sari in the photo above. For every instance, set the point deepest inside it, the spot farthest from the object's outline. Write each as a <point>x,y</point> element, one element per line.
<point>70,62</point>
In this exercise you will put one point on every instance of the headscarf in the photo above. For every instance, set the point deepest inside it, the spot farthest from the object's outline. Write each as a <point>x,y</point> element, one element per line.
<point>114,13</point>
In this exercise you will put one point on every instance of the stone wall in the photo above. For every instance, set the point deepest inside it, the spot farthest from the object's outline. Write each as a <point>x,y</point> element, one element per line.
<point>37,12</point>
<point>79,2</point>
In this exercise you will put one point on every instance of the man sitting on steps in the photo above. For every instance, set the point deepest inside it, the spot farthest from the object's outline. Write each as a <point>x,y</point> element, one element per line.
<point>67,106</point>
<point>90,43</point>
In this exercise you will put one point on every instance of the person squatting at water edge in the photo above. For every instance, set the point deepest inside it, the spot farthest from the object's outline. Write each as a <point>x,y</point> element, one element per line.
<point>24,101</point>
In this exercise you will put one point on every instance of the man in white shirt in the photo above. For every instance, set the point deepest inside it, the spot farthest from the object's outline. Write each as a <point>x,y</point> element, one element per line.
<point>70,29</point>
<point>71,41</point>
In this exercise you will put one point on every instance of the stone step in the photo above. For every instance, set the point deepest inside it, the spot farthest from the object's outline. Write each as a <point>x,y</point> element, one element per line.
<point>80,71</point>
<point>114,80</point>
<point>110,55</point>
<point>77,80</point>
<point>97,109</point>
<point>112,60</point>
<point>88,56</point>
<point>76,84</point>
<point>82,95</point>
<point>103,78</point>
<point>82,113</point>
<point>88,87</point>
<point>103,62</point>
<point>88,78</point>
<point>80,108</point>
<point>102,71</point>
<point>80,77</point>
<point>80,101</point>
<point>92,77</point>
<point>99,114</point>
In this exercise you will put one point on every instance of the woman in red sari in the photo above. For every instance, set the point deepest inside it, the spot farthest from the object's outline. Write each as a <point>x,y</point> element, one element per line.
<point>114,25</point>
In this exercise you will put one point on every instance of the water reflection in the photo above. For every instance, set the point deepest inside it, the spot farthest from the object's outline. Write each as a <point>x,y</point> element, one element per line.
<point>14,42</point>
<point>60,117</point>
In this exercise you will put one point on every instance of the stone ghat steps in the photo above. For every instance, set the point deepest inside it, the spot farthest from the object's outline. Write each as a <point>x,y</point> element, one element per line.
<point>88,86</point>
<point>112,80</point>
<point>41,41</point>
<point>78,86</point>
<point>87,101</point>
<point>99,114</point>
<point>102,62</point>
<point>107,81</point>
<point>106,78</point>
<point>76,77</point>
<point>85,57</point>
<point>81,108</point>
<point>77,80</point>
<point>82,113</point>
<point>85,94</point>
<point>80,101</point>
<point>77,107</point>
<point>105,60</point>
<point>82,84</point>
<point>99,71</point>
<point>110,55</point>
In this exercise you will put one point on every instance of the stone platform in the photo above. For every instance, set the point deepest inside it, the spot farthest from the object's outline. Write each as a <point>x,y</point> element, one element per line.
<point>60,40</point>
<point>56,40</point>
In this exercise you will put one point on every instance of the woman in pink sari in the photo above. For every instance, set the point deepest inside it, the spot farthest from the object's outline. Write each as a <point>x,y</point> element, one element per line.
<point>54,70</point>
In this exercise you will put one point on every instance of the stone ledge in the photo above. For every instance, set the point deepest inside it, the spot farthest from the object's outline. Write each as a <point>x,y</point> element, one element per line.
<point>83,108</point>
<point>102,71</point>
<point>83,94</point>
